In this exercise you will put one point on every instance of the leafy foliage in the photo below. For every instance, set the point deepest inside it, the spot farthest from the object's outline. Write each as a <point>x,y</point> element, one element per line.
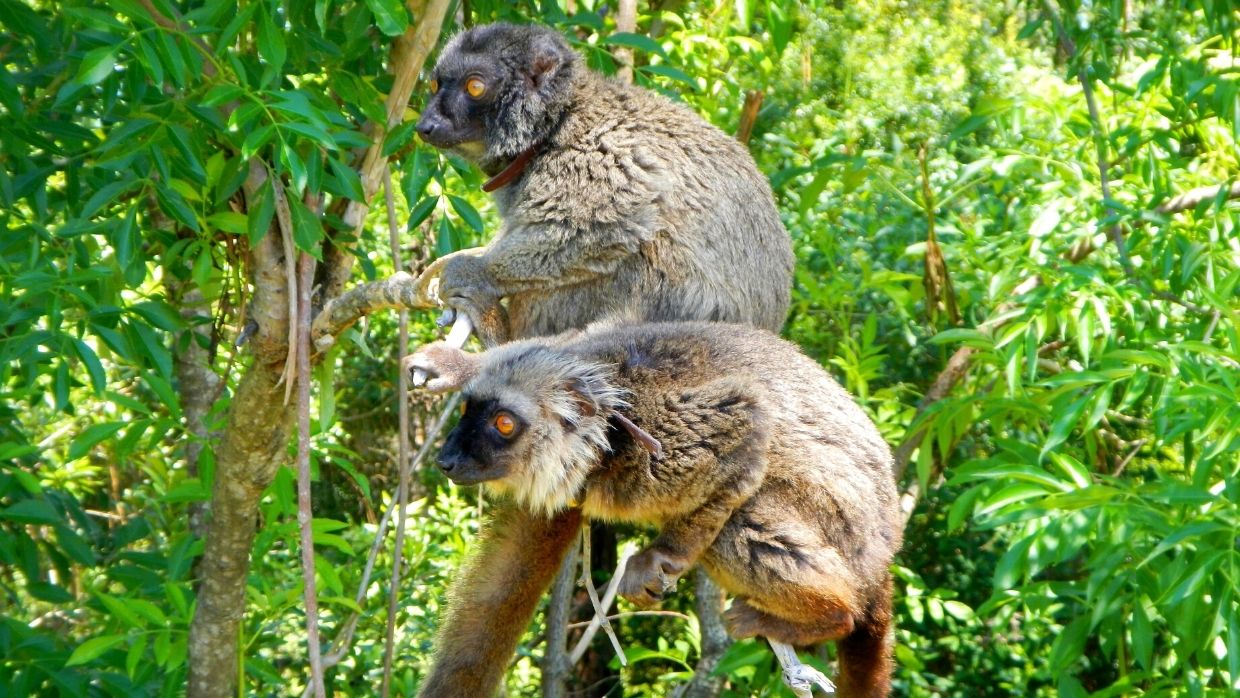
<point>1076,525</point>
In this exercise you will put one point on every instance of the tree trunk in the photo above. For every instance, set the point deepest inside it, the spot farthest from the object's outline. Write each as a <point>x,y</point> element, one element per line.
<point>253,446</point>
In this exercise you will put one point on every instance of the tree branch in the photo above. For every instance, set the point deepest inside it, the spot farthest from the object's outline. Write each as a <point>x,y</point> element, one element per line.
<point>749,115</point>
<point>305,514</point>
<point>409,54</point>
<point>402,451</point>
<point>626,22</point>
<point>1194,197</point>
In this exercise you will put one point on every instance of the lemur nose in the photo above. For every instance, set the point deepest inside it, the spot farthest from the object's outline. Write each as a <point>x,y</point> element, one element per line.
<point>426,128</point>
<point>448,462</point>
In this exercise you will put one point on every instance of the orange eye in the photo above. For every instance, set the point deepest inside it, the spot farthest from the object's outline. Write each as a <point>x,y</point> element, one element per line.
<point>475,87</point>
<point>504,424</point>
<point>434,85</point>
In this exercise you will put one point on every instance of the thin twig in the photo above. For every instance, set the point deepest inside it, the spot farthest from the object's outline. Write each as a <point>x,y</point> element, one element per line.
<point>402,489</point>
<point>305,514</point>
<point>632,614</point>
<point>285,218</point>
<point>626,22</point>
<point>340,646</point>
<point>601,608</point>
<point>600,612</point>
<point>1128,459</point>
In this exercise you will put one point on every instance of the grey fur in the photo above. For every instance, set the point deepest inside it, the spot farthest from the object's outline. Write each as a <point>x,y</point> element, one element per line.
<point>632,207</point>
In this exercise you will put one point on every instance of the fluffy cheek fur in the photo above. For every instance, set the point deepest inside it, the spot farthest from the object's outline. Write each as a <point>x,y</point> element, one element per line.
<point>561,452</point>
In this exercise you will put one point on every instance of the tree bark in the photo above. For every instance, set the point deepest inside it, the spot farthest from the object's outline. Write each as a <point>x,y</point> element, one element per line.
<point>715,640</point>
<point>254,444</point>
<point>555,665</point>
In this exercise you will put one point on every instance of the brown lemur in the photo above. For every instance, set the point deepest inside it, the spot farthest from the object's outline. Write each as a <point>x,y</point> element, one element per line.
<point>745,454</point>
<point>614,201</point>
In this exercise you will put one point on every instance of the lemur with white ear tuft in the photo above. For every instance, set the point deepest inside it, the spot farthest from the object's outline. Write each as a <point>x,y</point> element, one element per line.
<point>616,202</point>
<point>745,454</point>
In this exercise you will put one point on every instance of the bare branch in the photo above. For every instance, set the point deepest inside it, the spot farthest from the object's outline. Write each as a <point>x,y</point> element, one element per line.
<point>1193,197</point>
<point>402,489</point>
<point>601,607</point>
<point>340,647</point>
<point>409,54</point>
<point>626,22</point>
<point>749,115</point>
<point>305,514</point>
<point>555,665</point>
<point>397,291</point>
<point>956,368</point>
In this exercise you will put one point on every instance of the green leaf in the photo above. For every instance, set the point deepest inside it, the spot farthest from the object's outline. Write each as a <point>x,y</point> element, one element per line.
<point>446,243</point>
<point>390,16</point>
<point>1142,635</point>
<point>672,73</point>
<point>90,436</point>
<point>228,221</point>
<point>171,201</point>
<point>32,511</point>
<point>398,137</point>
<point>191,490</point>
<point>260,212</point>
<point>348,179</point>
<point>417,174</point>
<point>422,211</point>
<point>1063,425</point>
<point>314,133</point>
<point>93,648</point>
<point>271,41</point>
<point>97,65</point>
<point>256,139</point>
<point>121,610</point>
<point>307,228</point>
<point>467,212</point>
<point>1069,646</point>
<point>98,378</point>
<point>74,545</point>
<point>637,41</point>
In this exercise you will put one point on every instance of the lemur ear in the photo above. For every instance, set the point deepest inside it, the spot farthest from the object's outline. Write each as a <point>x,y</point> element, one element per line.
<point>589,406</point>
<point>587,403</point>
<point>546,57</point>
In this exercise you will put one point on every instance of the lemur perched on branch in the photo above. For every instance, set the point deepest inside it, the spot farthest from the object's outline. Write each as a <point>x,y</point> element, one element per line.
<point>744,453</point>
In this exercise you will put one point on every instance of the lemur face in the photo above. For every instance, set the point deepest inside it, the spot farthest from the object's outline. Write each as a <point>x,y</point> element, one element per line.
<point>489,443</point>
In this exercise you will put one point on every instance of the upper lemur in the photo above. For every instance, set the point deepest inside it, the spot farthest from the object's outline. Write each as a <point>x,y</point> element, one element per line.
<point>620,202</point>
<point>745,453</point>
<point>615,202</point>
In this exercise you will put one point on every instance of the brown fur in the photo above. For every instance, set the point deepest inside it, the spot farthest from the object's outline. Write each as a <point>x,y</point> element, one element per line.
<point>771,476</point>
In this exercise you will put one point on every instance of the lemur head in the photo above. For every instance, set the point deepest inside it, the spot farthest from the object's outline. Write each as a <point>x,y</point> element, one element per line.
<point>536,419</point>
<point>497,91</point>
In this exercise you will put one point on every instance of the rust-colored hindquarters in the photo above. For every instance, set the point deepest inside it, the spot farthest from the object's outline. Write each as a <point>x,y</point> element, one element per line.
<point>790,601</point>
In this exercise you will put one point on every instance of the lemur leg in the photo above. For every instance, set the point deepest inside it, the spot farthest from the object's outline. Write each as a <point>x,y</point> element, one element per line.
<point>493,599</point>
<point>684,538</point>
<point>655,570</point>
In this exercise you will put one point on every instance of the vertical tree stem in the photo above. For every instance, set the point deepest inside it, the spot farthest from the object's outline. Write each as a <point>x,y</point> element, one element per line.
<point>403,464</point>
<point>305,514</point>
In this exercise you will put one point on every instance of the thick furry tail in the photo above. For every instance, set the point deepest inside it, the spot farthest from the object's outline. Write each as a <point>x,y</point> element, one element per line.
<point>865,654</point>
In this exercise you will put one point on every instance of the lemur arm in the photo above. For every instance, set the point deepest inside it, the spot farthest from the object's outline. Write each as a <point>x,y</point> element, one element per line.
<point>493,599</point>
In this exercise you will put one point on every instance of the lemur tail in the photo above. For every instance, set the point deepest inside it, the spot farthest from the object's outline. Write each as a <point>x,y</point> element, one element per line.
<point>865,655</point>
